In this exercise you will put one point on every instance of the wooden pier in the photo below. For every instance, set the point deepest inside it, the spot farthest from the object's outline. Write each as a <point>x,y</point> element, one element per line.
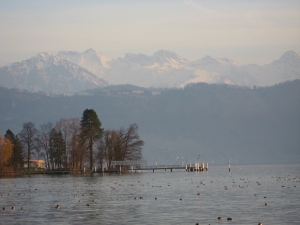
<point>141,165</point>
<point>187,168</point>
<point>118,167</point>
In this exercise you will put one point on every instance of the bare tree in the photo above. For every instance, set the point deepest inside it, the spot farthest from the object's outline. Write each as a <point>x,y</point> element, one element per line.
<point>44,141</point>
<point>63,126</point>
<point>108,147</point>
<point>28,139</point>
<point>131,143</point>
<point>75,150</point>
<point>120,145</point>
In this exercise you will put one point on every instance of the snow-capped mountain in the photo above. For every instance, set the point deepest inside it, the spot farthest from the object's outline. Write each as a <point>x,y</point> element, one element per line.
<point>50,74</point>
<point>167,69</point>
<point>91,60</point>
<point>73,72</point>
<point>287,67</point>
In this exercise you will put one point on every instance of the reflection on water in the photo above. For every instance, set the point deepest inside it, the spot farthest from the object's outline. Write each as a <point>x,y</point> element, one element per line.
<point>154,198</point>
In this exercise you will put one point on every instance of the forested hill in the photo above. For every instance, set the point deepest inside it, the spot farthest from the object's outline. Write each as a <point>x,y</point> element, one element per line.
<point>217,122</point>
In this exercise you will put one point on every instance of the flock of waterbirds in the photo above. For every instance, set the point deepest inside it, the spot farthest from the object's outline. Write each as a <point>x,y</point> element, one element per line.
<point>241,183</point>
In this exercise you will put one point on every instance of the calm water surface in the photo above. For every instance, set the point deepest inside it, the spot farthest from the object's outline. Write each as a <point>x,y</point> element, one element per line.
<point>110,199</point>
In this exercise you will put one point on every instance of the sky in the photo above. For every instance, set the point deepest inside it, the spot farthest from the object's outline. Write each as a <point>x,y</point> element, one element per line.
<point>256,31</point>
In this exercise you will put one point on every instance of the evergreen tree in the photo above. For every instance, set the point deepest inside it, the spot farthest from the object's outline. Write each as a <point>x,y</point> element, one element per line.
<point>17,158</point>
<point>91,131</point>
<point>57,149</point>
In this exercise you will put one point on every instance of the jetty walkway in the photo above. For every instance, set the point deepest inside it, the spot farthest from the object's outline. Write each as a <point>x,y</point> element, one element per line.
<point>117,167</point>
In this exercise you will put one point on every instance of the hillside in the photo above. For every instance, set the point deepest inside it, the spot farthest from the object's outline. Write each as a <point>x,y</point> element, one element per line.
<point>217,122</point>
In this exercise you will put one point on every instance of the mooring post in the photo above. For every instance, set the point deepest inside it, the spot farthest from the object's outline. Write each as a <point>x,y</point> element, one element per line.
<point>202,166</point>
<point>229,166</point>
<point>153,170</point>
<point>165,168</point>
<point>207,166</point>
<point>186,169</point>
<point>171,169</point>
<point>95,169</point>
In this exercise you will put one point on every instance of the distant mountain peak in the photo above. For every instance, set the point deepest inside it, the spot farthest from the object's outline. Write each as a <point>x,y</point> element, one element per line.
<point>288,57</point>
<point>166,54</point>
<point>49,73</point>
<point>90,50</point>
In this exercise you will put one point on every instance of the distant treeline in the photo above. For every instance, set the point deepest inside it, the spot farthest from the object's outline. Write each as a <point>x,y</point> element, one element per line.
<point>218,122</point>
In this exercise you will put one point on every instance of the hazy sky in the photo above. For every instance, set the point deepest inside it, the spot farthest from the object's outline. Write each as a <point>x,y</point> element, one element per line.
<point>255,31</point>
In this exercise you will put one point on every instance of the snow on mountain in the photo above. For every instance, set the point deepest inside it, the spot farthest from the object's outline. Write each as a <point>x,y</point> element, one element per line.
<point>287,67</point>
<point>162,69</point>
<point>167,69</point>
<point>50,74</point>
<point>73,71</point>
<point>91,60</point>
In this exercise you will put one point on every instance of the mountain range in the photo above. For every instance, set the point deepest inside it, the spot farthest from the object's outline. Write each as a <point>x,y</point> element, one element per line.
<point>71,71</point>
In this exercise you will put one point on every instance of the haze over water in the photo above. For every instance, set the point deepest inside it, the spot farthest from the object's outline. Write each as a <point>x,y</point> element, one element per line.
<point>115,199</point>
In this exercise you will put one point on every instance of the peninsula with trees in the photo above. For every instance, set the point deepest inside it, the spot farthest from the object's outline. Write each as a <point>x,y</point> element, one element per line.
<point>69,145</point>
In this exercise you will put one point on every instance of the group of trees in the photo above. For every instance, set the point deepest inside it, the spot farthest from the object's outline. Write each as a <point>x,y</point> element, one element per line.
<point>71,143</point>
<point>11,154</point>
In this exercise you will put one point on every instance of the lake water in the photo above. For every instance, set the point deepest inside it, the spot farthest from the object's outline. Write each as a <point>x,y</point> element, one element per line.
<point>115,199</point>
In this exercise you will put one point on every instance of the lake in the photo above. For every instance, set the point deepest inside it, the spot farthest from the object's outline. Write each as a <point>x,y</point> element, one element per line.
<point>161,197</point>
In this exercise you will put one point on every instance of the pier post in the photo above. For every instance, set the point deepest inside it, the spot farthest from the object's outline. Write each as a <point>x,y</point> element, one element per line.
<point>229,166</point>
<point>153,170</point>
<point>83,169</point>
<point>186,169</point>
<point>166,168</point>
<point>95,170</point>
<point>202,166</point>
<point>207,166</point>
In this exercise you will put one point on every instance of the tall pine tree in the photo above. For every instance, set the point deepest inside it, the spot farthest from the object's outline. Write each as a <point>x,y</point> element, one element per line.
<point>91,131</point>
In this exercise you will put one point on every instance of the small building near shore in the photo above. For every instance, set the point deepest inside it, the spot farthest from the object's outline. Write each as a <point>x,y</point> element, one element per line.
<point>35,164</point>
